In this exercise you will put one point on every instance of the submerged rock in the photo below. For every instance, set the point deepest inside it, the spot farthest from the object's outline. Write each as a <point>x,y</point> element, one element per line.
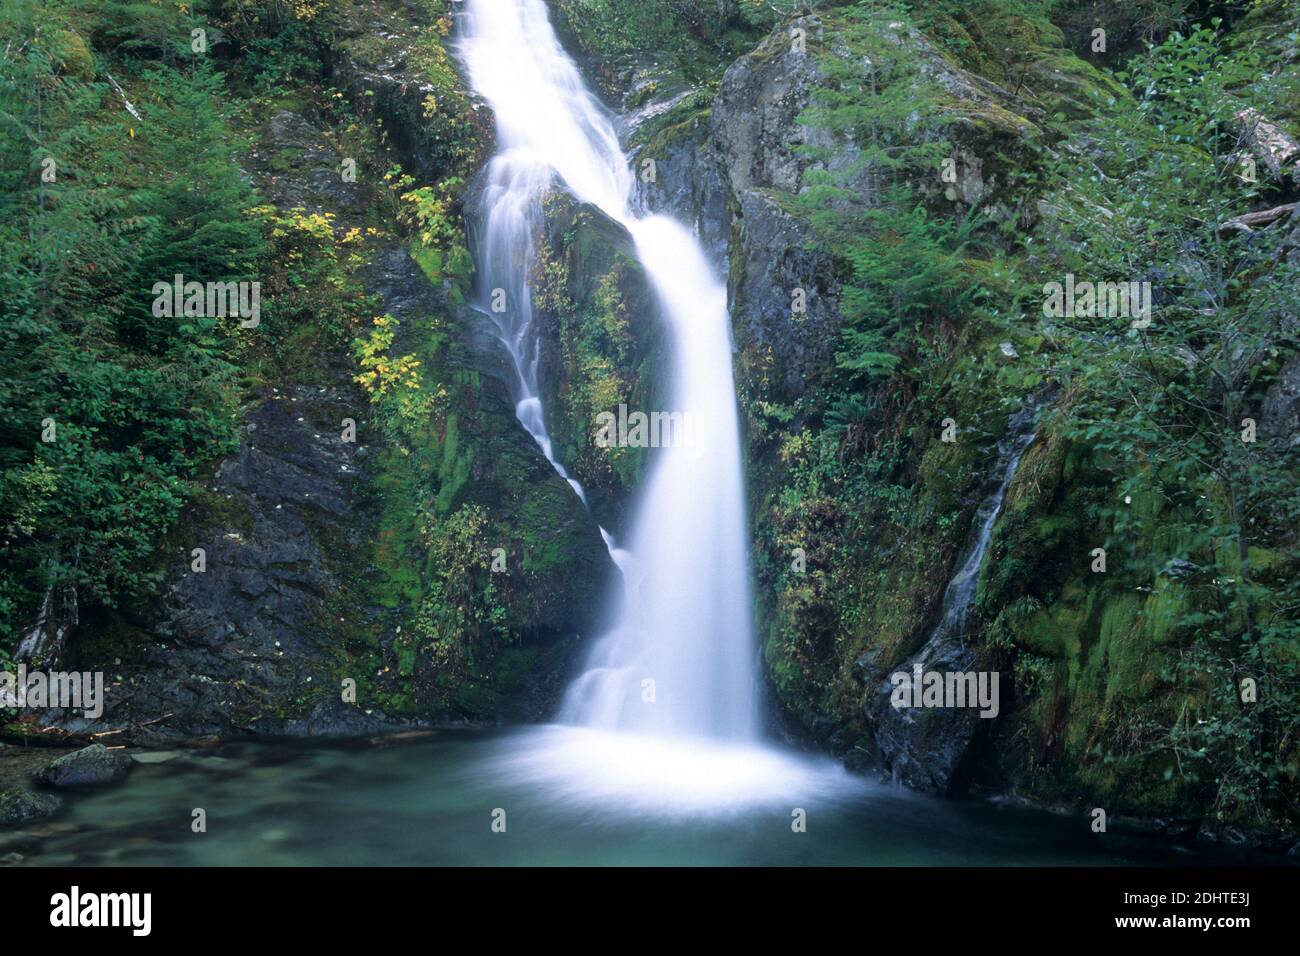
<point>156,756</point>
<point>19,805</point>
<point>91,766</point>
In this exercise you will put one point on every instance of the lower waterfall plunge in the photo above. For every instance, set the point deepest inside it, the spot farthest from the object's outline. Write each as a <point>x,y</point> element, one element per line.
<point>666,710</point>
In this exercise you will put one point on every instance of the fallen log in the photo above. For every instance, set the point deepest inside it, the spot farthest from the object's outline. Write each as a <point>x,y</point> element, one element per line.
<point>1250,221</point>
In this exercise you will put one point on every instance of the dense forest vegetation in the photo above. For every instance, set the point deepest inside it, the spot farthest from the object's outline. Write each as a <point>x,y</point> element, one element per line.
<point>947,162</point>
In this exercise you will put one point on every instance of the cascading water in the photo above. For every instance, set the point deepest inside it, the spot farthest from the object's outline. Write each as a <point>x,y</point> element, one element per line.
<point>923,746</point>
<point>680,659</point>
<point>538,135</point>
<point>960,593</point>
<point>665,713</point>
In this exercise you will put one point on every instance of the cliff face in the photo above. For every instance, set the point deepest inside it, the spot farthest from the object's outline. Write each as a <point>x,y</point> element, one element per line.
<point>373,553</point>
<point>862,517</point>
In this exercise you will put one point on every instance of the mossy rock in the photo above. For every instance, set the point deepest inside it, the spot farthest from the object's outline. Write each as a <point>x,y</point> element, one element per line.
<point>1027,55</point>
<point>603,346</point>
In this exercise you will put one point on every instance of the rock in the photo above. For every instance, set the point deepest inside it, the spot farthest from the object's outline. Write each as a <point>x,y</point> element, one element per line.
<point>1274,149</point>
<point>1224,835</point>
<point>155,756</point>
<point>390,62</point>
<point>736,170</point>
<point>868,664</point>
<point>19,805</point>
<point>594,273</point>
<point>1232,836</point>
<point>1181,829</point>
<point>822,728</point>
<point>47,638</point>
<point>1280,420</point>
<point>922,746</point>
<point>1181,568</point>
<point>91,766</point>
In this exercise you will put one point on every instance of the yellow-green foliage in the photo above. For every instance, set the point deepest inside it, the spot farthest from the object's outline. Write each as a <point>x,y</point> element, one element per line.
<point>312,295</point>
<point>431,214</point>
<point>380,372</point>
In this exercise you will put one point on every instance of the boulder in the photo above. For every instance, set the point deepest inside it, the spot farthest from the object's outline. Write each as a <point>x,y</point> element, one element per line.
<point>19,805</point>
<point>91,766</point>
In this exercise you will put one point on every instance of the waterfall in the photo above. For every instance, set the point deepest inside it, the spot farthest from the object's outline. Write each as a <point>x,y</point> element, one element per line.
<point>680,659</point>
<point>960,593</point>
<point>663,720</point>
<point>923,747</point>
<point>539,136</point>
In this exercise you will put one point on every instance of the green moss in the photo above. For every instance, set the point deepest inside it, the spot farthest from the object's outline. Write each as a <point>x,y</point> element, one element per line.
<point>429,259</point>
<point>604,341</point>
<point>395,544</point>
<point>697,41</point>
<point>1021,50</point>
<point>1075,87</point>
<point>455,468</point>
<point>683,121</point>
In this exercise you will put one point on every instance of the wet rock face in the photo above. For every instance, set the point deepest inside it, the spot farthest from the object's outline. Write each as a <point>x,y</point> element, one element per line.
<point>772,265</point>
<point>238,639</point>
<point>392,62</point>
<point>509,475</point>
<point>922,747</point>
<point>690,184</point>
<point>1280,422</point>
<point>92,766</point>
<point>601,343</point>
<point>734,174</point>
<point>296,166</point>
<point>244,635</point>
<point>756,114</point>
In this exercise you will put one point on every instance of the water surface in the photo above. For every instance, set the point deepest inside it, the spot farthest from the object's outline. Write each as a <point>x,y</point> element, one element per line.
<point>430,801</point>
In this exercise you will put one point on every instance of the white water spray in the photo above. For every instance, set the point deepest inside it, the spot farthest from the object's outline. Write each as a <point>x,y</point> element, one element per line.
<point>670,690</point>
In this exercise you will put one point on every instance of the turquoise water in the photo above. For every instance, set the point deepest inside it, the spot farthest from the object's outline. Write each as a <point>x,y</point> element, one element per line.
<point>431,801</point>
